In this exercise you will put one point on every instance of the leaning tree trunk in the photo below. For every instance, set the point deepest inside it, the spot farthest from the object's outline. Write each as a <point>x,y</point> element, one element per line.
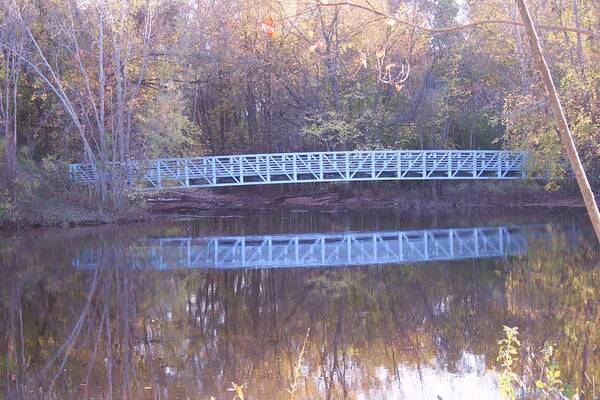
<point>559,116</point>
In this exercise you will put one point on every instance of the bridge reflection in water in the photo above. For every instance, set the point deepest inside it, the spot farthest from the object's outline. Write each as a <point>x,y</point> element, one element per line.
<point>322,249</point>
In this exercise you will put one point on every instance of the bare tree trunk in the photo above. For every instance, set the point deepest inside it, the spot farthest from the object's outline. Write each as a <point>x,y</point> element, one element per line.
<point>203,121</point>
<point>560,119</point>
<point>104,153</point>
<point>519,47</point>
<point>580,58</point>
<point>11,65</point>
<point>222,131</point>
<point>8,107</point>
<point>11,134</point>
<point>331,54</point>
<point>251,113</point>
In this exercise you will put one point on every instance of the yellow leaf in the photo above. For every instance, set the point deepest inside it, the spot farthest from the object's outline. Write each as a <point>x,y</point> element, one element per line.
<point>397,87</point>
<point>391,22</point>
<point>540,384</point>
<point>380,54</point>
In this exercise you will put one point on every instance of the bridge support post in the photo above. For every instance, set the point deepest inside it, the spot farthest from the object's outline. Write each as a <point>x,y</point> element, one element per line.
<point>295,167</point>
<point>373,165</point>
<point>348,249</point>
<point>187,172</point>
<point>499,160</point>
<point>241,169</point>
<point>501,239</point>
<point>216,242</point>
<point>347,160</point>
<point>401,246</point>
<point>158,175</point>
<point>522,157</point>
<point>321,166</point>
<point>270,248</point>
<point>374,238</point>
<point>243,252</point>
<point>214,170</point>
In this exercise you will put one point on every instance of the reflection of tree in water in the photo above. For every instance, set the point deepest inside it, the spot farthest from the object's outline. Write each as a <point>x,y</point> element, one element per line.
<point>191,333</point>
<point>554,295</point>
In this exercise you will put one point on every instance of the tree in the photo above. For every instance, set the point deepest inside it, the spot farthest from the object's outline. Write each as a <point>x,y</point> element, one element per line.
<point>542,67</point>
<point>12,40</point>
<point>98,75</point>
<point>560,119</point>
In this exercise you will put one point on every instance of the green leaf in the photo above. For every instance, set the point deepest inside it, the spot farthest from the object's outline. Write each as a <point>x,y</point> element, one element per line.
<point>539,384</point>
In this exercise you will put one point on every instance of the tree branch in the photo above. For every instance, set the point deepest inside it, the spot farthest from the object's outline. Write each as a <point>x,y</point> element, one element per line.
<point>456,28</point>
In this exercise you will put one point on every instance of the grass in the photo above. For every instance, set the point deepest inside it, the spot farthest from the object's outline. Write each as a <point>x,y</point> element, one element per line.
<point>42,195</point>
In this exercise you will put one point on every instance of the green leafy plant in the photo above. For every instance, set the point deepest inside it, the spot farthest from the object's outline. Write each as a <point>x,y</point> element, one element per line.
<point>544,371</point>
<point>507,355</point>
<point>6,211</point>
<point>549,382</point>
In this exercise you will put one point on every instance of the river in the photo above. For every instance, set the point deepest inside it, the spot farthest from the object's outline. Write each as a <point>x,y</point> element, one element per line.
<point>305,305</point>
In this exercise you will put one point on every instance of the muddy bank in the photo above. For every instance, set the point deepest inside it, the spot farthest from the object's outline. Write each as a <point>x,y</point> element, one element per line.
<point>66,214</point>
<point>340,197</point>
<point>418,196</point>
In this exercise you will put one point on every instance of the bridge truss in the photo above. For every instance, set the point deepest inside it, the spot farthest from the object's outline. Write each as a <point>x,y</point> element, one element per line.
<point>257,169</point>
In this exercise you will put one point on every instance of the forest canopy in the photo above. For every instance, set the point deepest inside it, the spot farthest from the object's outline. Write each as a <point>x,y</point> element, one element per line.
<point>115,80</point>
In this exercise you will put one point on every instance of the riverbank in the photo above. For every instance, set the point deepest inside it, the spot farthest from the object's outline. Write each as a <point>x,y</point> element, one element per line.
<point>70,214</point>
<point>417,196</point>
<point>78,210</point>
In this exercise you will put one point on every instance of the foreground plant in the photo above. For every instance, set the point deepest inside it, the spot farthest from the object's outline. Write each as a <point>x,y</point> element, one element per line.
<point>548,384</point>
<point>238,390</point>
<point>507,355</point>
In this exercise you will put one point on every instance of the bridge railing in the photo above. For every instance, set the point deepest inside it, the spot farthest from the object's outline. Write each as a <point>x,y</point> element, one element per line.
<point>255,169</point>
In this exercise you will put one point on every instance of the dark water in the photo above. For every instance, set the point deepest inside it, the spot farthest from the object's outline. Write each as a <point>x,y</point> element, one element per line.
<point>386,305</point>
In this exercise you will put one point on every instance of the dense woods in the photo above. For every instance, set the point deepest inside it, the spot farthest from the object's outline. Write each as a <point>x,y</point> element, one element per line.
<point>102,81</point>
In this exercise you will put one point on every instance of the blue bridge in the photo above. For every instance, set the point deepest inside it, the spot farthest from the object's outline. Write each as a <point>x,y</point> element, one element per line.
<point>342,166</point>
<point>318,249</point>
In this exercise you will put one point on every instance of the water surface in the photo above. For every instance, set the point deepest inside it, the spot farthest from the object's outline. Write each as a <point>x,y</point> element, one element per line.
<point>386,305</point>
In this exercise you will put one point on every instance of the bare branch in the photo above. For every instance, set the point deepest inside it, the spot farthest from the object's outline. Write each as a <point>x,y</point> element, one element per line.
<point>456,28</point>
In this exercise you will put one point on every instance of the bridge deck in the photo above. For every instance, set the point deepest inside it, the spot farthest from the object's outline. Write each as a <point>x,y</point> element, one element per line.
<point>256,169</point>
